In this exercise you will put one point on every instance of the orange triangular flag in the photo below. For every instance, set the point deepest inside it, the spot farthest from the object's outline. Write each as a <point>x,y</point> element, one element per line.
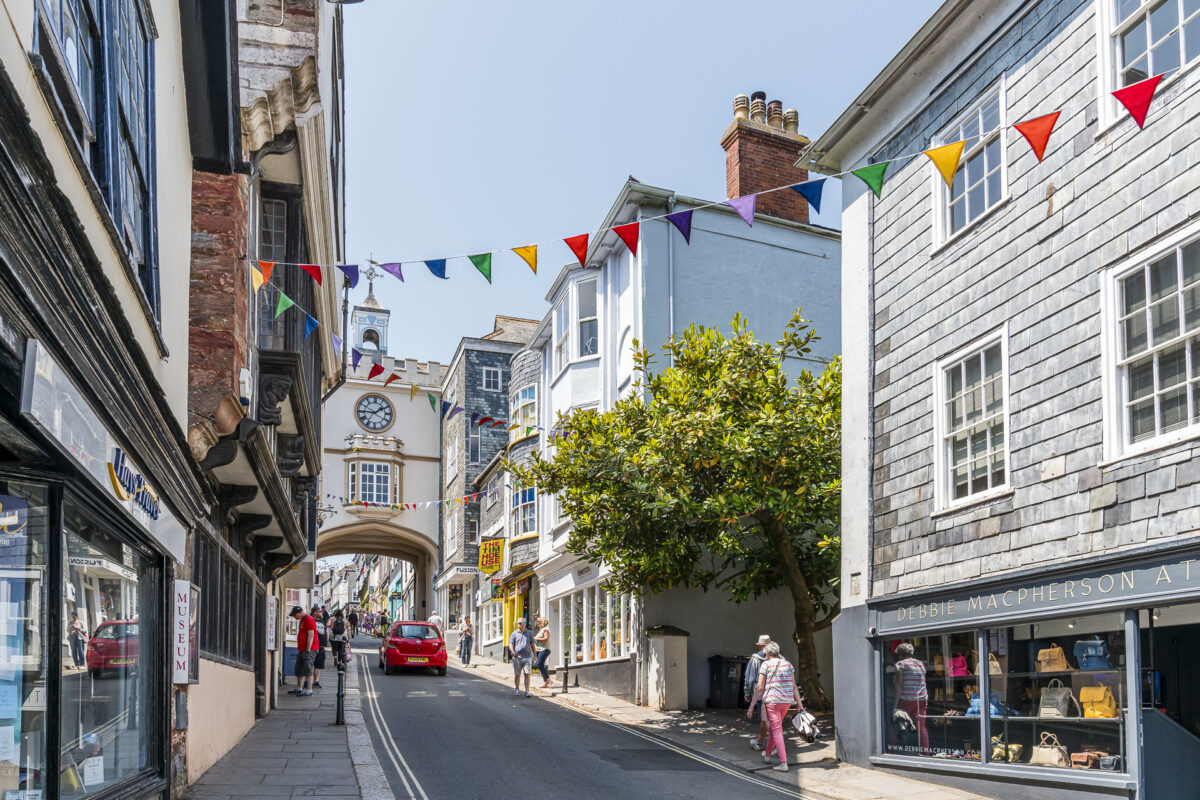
<point>578,245</point>
<point>945,160</point>
<point>1136,98</point>
<point>529,253</point>
<point>629,235</point>
<point>256,279</point>
<point>393,377</point>
<point>1037,132</point>
<point>266,267</point>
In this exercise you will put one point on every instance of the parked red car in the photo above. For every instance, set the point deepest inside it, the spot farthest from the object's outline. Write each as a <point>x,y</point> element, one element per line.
<point>114,645</point>
<point>412,644</point>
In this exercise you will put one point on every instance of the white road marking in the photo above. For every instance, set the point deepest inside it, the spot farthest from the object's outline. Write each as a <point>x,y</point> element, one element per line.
<point>389,742</point>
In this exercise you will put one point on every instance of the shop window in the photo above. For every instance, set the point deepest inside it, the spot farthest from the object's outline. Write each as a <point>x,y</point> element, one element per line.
<point>589,325</point>
<point>493,622</point>
<point>926,678</point>
<point>594,625</point>
<point>971,421</point>
<point>106,702</point>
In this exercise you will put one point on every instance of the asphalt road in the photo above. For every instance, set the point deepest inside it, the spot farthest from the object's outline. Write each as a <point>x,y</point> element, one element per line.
<point>464,736</point>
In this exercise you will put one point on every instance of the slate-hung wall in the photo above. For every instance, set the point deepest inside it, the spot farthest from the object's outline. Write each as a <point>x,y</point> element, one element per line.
<point>1033,267</point>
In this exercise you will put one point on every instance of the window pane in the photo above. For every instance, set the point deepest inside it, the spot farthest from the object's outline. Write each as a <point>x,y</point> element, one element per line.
<point>975,204</point>
<point>990,116</point>
<point>1126,7</point>
<point>973,368</point>
<point>1165,57</point>
<point>1133,43</point>
<point>1135,334</point>
<point>1141,379</point>
<point>1136,73</point>
<point>587,299</point>
<point>955,380</point>
<point>993,189</point>
<point>1172,367</point>
<point>994,397</point>
<point>954,414</point>
<point>958,214</point>
<point>1141,420</point>
<point>1163,20</point>
<point>1191,38</point>
<point>991,358</point>
<point>589,343</point>
<point>975,169</point>
<point>927,679</point>
<point>1173,409</point>
<point>1163,277</point>
<point>1164,316</point>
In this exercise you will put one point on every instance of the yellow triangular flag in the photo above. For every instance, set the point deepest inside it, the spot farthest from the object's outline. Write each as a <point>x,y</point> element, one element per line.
<point>412,392</point>
<point>945,158</point>
<point>529,253</point>
<point>256,279</point>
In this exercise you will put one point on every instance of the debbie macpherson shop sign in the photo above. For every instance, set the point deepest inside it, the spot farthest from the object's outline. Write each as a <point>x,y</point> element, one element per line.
<point>1141,582</point>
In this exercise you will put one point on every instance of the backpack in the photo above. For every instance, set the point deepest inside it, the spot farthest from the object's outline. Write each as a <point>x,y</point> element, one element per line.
<point>339,627</point>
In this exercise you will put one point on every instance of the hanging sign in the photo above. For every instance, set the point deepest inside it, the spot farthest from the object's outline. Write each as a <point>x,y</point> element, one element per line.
<point>491,556</point>
<point>181,645</point>
<point>272,622</point>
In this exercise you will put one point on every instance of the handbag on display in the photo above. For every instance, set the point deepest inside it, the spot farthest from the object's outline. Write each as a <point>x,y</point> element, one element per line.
<point>993,664</point>
<point>1049,753</point>
<point>1052,659</point>
<point>970,689</point>
<point>938,665</point>
<point>1006,752</point>
<point>1087,759</point>
<point>1092,654</point>
<point>1056,701</point>
<point>958,665</point>
<point>1110,763</point>
<point>1098,702</point>
<point>995,705</point>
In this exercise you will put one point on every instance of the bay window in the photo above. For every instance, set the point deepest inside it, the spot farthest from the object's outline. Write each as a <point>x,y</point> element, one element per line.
<point>589,325</point>
<point>370,482</point>
<point>594,625</point>
<point>562,335</point>
<point>523,412</point>
<point>524,512</point>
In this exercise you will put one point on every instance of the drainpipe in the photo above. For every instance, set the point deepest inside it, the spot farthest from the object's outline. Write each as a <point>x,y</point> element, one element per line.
<point>671,269</point>
<point>345,325</point>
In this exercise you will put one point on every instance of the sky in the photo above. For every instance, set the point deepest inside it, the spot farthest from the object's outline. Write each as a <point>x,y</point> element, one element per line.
<point>474,127</point>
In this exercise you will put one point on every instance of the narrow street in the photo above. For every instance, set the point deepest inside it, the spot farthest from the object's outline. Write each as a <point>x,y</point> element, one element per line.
<point>466,736</point>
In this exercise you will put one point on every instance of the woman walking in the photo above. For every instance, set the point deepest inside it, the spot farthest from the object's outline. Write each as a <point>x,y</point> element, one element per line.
<point>78,641</point>
<point>465,634</point>
<point>339,637</point>
<point>777,690</point>
<point>541,642</point>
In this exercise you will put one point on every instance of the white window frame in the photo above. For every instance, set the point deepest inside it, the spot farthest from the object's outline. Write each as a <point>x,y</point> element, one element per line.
<point>522,502</point>
<point>352,481</point>
<point>941,193</point>
<point>1109,31</point>
<point>618,608</point>
<point>473,531</point>
<point>451,460</point>
<point>492,495</point>
<point>474,444</point>
<point>579,292</point>
<point>562,333</point>
<point>492,619</point>
<point>943,485</point>
<point>1116,447</point>
<point>488,374</point>
<point>522,411</point>
<point>451,533</point>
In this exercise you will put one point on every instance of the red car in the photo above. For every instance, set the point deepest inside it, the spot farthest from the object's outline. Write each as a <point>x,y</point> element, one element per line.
<point>114,645</point>
<point>412,644</point>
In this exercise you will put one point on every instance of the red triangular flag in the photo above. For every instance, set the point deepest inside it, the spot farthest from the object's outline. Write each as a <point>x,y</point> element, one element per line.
<point>376,369</point>
<point>485,419</point>
<point>1037,132</point>
<point>629,235</point>
<point>578,245</point>
<point>265,268</point>
<point>1136,98</point>
<point>314,270</point>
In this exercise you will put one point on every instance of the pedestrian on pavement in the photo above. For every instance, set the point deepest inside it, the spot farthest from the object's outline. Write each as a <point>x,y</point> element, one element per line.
<point>353,620</point>
<point>435,620</point>
<point>322,643</point>
<point>325,615</point>
<point>306,651</point>
<point>521,646</point>
<point>339,637</point>
<point>777,690</point>
<point>752,668</point>
<point>78,641</point>
<point>466,633</point>
<point>541,643</point>
<point>912,696</point>
<point>383,624</point>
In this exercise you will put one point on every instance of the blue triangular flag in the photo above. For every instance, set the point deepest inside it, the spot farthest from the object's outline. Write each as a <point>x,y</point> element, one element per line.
<point>438,267</point>
<point>811,191</point>
<point>309,325</point>
<point>445,408</point>
<point>355,356</point>
<point>351,271</point>
<point>683,221</point>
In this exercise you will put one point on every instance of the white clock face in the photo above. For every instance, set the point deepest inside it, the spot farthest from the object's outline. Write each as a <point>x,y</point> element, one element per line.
<point>374,413</point>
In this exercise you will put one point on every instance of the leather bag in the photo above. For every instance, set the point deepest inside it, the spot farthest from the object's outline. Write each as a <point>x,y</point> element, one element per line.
<point>1057,700</point>
<point>1049,753</point>
<point>1092,654</point>
<point>1098,702</point>
<point>939,668</point>
<point>1006,752</point>
<point>970,689</point>
<point>993,663</point>
<point>1052,659</point>
<point>1087,759</point>
<point>958,665</point>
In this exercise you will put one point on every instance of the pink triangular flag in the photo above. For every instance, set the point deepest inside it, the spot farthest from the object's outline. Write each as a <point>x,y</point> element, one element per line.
<point>744,206</point>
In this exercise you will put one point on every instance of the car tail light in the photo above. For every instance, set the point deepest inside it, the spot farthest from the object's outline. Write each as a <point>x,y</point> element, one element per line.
<point>393,642</point>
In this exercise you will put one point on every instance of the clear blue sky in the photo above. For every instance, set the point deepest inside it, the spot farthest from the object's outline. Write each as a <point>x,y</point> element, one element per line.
<point>474,126</point>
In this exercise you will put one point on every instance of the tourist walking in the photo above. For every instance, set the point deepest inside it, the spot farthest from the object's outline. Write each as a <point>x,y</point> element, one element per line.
<point>466,633</point>
<point>435,620</point>
<point>541,643</point>
<point>339,638</point>
<point>322,643</point>
<point>78,641</point>
<point>777,690</point>
<point>752,667</point>
<point>352,618</point>
<point>306,651</point>
<point>520,644</point>
<point>383,625</point>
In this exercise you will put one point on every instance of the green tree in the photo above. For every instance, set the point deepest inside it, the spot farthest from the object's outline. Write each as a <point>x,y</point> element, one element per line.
<point>721,472</point>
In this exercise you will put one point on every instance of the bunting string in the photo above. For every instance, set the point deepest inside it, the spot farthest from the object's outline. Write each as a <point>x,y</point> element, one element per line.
<point>459,499</point>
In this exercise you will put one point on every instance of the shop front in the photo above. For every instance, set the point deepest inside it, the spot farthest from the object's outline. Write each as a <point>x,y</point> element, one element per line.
<point>1077,681</point>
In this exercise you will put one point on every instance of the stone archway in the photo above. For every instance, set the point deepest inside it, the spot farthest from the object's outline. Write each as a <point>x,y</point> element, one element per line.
<point>376,537</point>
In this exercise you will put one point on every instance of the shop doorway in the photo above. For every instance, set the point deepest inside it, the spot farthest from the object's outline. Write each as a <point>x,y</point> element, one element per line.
<point>1171,699</point>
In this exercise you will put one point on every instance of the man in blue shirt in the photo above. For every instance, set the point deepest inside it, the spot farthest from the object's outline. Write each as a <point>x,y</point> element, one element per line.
<point>752,667</point>
<point>521,645</point>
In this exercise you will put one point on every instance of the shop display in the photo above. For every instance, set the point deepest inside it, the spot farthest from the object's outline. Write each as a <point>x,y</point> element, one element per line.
<point>1049,753</point>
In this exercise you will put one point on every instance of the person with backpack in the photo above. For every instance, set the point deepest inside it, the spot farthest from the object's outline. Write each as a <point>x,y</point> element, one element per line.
<point>753,665</point>
<point>353,620</point>
<point>322,643</point>
<point>339,637</point>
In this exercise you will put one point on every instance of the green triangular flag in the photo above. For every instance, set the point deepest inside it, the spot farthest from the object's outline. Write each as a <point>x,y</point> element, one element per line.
<point>483,263</point>
<point>433,402</point>
<point>873,176</point>
<point>283,305</point>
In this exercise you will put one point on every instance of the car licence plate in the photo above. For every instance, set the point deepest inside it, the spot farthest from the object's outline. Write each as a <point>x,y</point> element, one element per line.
<point>120,661</point>
<point>418,660</point>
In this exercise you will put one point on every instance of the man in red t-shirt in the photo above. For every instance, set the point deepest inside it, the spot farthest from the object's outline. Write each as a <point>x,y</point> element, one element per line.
<point>306,655</point>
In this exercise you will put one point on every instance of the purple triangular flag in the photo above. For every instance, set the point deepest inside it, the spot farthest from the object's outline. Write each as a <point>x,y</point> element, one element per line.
<point>438,267</point>
<point>351,271</point>
<point>457,410</point>
<point>811,191</point>
<point>474,416</point>
<point>744,206</point>
<point>337,342</point>
<point>355,356</point>
<point>309,324</point>
<point>392,268</point>
<point>683,221</point>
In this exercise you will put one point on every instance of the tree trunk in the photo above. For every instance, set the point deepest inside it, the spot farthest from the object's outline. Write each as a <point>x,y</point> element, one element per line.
<point>807,671</point>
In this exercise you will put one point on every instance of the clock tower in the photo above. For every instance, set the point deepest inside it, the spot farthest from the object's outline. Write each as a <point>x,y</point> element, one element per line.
<point>371,322</point>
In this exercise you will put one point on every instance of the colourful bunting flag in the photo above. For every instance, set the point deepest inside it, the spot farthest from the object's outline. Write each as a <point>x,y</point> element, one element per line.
<point>498,423</point>
<point>351,272</point>
<point>578,245</point>
<point>412,392</point>
<point>483,263</point>
<point>437,266</point>
<point>683,221</point>
<point>445,408</point>
<point>309,324</point>
<point>355,357</point>
<point>945,160</point>
<point>283,304</point>
<point>513,427</point>
<point>265,267</point>
<point>337,342</point>
<point>528,431</point>
<point>485,419</point>
<point>376,369</point>
<point>395,376</point>
<point>256,279</point>
<point>1136,98</point>
<point>529,254</point>
<point>432,401</point>
<point>811,191</point>
<point>314,271</point>
<point>474,416</point>
<point>393,268</point>
<point>629,235</point>
<point>1037,132</point>
<point>872,176</point>
<point>457,410</point>
<point>744,206</point>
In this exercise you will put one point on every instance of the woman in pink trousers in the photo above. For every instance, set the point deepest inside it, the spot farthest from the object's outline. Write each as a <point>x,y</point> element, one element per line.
<point>777,689</point>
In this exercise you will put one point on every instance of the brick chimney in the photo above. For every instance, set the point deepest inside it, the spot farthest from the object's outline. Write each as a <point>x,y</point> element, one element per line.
<point>761,145</point>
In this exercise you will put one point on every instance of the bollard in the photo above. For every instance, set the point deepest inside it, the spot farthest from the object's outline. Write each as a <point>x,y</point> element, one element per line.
<point>566,672</point>
<point>340,719</point>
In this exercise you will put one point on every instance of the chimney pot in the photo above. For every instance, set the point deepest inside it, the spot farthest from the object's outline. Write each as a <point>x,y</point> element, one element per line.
<point>741,107</point>
<point>791,121</point>
<point>759,96</point>
<point>758,107</point>
<point>775,114</point>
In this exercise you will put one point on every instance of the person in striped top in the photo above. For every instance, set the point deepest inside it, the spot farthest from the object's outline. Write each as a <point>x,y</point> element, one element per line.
<point>777,690</point>
<point>911,695</point>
